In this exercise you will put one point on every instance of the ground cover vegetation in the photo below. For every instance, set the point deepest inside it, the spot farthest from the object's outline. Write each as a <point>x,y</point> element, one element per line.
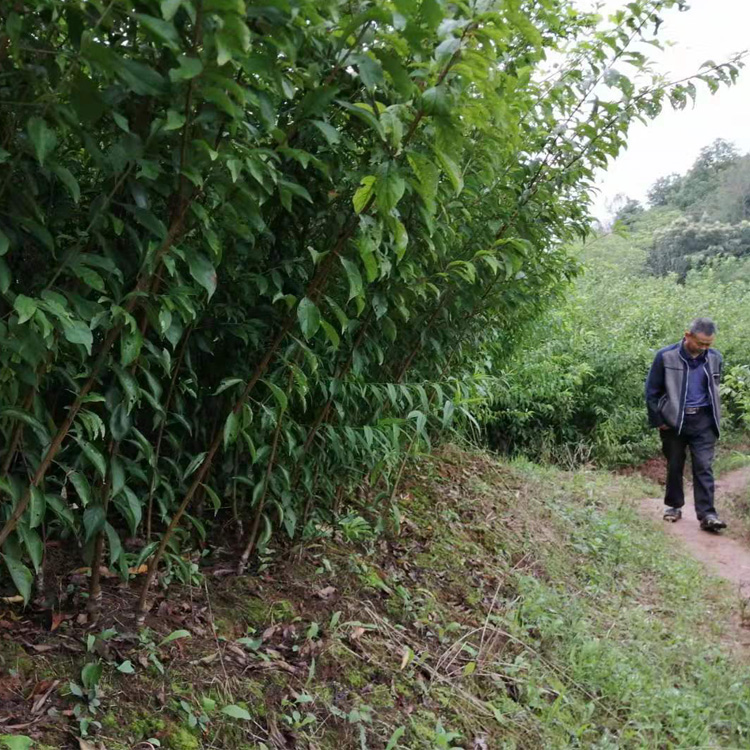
<point>512,606</point>
<point>249,253</point>
<point>574,388</point>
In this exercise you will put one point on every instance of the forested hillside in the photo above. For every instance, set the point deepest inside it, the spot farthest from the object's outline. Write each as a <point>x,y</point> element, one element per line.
<point>573,391</point>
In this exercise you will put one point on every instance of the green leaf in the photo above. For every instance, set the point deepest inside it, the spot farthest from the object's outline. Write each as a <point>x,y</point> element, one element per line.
<point>131,342</point>
<point>190,67</point>
<point>169,8</point>
<point>231,428</point>
<point>389,187</point>
<point>252,643</point>
<point>232,40</point>
<point>115,545</point>
<point>16,741</point>
<point>452,170</point>
<point>33,543</point>
<point>91,674</point>
<point>130,508</point>
<point>119,422</point>
<point>86,99</point>
<point>126,667</point>
<point>77,332</point>
<point>4,243</point>
<point>70,182</point>
<point>94,519</point>
<point>117,475</point>
<point>330,332</point>
<point>161,29</point>
<point>364,193</point>
<point>25,307</point>
<point>194,464</point>
<point>43,139</point>
<point>309,317</point>
<point>370,70</point>
<point>355,279</point>
<point>95,457</point>
<point>278,394</point>
<point>227,383</point>
<point>395,737</point>
<point>139,78</point>
<point>177,634</point>
<point>203,272</point>
<point>5,277</point>
<point>236,712</point>
<point>364,113</point>
<point>13,413</point>
<point>21,576</point>
<point>61,510</point>
<point>147,220</point>
<point>329,132</point>
<point>427,174</point>
<point>175,120</point>
<point>82,487</point>
<point>215,499</point>
<point>435,101</point>
<point>37,506</point>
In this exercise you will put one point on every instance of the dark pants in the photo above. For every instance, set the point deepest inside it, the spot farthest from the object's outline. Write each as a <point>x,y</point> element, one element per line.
<point>699,435</point>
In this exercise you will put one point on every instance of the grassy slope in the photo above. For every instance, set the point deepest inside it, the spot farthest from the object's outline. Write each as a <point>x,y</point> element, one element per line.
<point>515,607</point>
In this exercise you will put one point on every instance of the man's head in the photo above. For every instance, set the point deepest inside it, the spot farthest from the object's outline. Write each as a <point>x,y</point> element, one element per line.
<point>700,336</point>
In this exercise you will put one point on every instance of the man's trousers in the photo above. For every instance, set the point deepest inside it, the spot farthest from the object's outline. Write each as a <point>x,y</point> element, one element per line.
<point>699,435</point>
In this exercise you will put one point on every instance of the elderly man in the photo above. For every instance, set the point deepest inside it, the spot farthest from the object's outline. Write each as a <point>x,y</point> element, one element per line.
<point>682,398</point>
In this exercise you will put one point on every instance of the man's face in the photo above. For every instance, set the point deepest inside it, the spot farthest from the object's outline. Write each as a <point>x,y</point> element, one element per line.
<point>697,343</point>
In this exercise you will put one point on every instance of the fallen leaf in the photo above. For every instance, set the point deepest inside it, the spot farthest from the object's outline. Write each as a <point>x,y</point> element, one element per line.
<point>356,633</point>
<point>57,619</point>
<point>205,659</point>
<point>85,745</point>
<point>326,593</point>
<point>268,632</point>
<point>11,599</point>
<point>139,570</point>
<point>42,648</point>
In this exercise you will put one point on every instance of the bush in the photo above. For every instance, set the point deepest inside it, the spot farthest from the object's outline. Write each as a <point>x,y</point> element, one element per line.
<point>577,390</point>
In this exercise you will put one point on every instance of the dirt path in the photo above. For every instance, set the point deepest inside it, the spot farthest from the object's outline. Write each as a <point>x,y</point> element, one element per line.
<point>724,556</point>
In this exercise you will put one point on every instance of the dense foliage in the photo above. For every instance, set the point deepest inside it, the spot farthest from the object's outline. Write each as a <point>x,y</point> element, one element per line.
<point>250,251</point>
<point>576,391</point>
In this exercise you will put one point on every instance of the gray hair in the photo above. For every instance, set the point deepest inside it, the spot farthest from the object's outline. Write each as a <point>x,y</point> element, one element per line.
<point>706,326</point>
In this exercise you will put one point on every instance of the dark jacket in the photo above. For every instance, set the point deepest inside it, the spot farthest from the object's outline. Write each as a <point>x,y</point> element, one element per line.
<point>666,387</point>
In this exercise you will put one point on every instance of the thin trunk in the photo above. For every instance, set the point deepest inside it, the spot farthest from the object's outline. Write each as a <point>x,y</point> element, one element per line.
<point>94,605</point>
<point>253,537</point>
<point>16,436</point>
<point>160,436</point>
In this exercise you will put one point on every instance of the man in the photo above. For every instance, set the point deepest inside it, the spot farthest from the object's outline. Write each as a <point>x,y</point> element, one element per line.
<point>682,398</point>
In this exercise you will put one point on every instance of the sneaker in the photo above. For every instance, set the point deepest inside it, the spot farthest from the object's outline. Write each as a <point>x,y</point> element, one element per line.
<point>672,514</point>
<point>711,522</point>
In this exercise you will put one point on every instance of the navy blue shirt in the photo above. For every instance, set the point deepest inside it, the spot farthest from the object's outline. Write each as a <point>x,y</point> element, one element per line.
<point>697,389</point>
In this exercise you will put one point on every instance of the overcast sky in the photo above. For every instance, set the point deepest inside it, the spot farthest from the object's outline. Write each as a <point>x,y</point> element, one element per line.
<point>710,30</point>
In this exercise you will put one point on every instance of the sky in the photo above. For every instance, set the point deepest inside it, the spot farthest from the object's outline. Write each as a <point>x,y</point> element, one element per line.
<point>710,30</point>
